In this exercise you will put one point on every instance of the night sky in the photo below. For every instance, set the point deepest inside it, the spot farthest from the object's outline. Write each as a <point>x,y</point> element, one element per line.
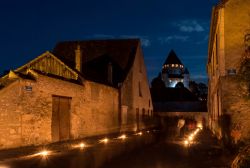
<point>30,27</point>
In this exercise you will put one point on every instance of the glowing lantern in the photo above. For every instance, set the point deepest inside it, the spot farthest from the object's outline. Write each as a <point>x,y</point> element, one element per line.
<point>104,140</point>
<point>122,137</point>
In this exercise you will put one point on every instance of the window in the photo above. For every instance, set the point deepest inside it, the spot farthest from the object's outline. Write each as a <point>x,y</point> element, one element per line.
<point>143,113</point>
<point>137,119</point>
<point>140,93</point>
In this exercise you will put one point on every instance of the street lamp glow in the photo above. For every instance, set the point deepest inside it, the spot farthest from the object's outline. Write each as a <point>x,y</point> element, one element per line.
<point>199,125</point>
<point>186,142</point>
<point>43,153</point>
<point>82,145</point>
<point>104,140</point>
<point>122,137</point>
<point>139,133</point>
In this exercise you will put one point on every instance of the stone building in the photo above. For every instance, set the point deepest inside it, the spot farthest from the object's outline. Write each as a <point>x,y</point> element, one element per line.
<point>80,89</point>
<point>173,71</point>
<point>228,70</point>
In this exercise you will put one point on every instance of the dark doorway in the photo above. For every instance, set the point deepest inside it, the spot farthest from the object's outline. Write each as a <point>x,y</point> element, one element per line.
<point>60,118</point>
<point>137,119</point>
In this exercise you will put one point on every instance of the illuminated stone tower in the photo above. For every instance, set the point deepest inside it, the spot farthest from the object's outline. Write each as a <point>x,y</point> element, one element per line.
<point>173,70</point>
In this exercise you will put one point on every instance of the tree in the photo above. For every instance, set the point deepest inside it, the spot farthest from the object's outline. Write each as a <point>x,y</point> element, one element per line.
<point>157,83</point>
<point>199,89</point>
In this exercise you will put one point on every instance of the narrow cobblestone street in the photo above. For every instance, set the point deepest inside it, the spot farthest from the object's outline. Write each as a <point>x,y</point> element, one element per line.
<point>204,153</point>
<point>151,150</point>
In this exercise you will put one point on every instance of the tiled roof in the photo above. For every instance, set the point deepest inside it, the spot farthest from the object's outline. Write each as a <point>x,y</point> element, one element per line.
<point>97,54</point>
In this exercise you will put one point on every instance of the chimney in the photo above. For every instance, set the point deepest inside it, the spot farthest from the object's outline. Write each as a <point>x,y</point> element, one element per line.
<point>110,73</point>
<point>78,58</point>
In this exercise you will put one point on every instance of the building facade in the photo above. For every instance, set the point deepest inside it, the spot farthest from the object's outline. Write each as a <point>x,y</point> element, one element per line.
<point>228,56</point>
<point>82,88</point>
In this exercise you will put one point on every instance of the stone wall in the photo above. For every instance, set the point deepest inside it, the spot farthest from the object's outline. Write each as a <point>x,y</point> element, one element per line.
<point>141,93</point>
<point>26,114</point>
<point>237,24</point>
<point>227,105</point>
<point>236,103</point>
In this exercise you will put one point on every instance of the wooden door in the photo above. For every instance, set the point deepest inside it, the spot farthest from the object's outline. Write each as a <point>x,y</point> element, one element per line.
<point>60,118</point>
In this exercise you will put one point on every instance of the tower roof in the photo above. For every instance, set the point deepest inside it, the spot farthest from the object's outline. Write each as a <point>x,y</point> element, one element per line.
<point>172,59</point>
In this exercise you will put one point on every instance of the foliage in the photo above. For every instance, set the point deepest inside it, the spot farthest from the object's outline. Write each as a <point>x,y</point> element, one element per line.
<point>199,89</point>
<point>157,83</point>
<point>179,85</point>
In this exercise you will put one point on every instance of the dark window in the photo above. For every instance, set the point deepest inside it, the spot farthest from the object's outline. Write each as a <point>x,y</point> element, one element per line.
<point>137,119</point>
<point>143,113</point>
<point>140,93</point>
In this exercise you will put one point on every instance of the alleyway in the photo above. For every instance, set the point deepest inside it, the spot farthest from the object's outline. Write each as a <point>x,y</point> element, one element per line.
<point>158,152</point>
<point>205,153</point>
